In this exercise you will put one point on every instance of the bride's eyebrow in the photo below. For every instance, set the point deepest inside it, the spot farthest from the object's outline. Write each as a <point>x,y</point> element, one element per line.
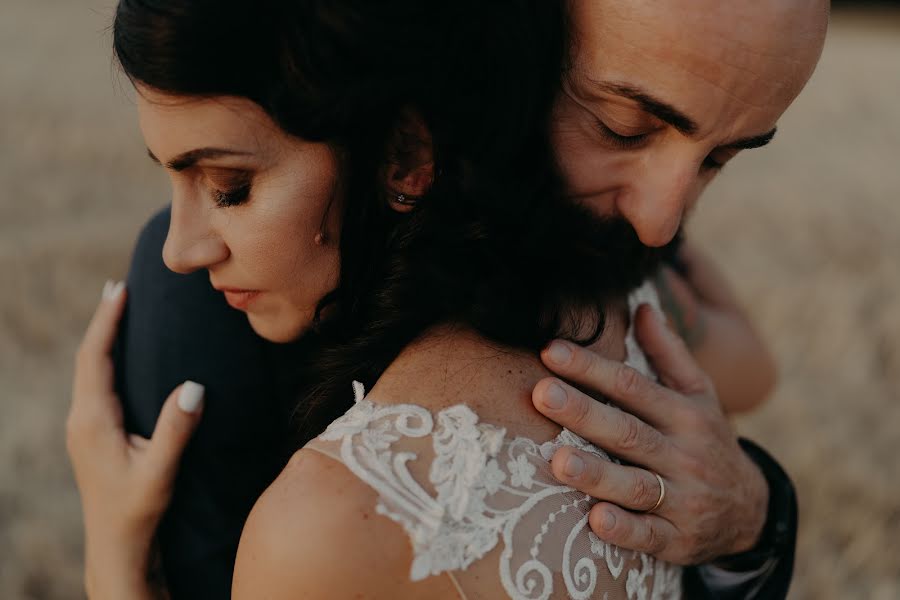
<point>191,157</point>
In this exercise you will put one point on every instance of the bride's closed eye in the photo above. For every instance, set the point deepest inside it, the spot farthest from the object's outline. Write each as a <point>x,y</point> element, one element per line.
<point>226,198</point>
<point>229,187</point>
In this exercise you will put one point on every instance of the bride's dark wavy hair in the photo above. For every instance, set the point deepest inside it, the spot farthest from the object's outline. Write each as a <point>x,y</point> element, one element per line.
<point>492,246</point>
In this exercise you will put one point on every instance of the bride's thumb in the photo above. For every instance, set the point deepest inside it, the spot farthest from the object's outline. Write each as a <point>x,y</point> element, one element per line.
<point>177,421</point>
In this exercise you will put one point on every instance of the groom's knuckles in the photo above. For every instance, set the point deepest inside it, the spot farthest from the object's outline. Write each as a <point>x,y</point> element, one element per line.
<point>591,477</point>
<point>628,383</point>
<point>636,439</point>
<point>579,412</point>
<point>584,367</point>
<point>607,426</point>
<point>642,493</point>
<point>632,531</point>
<point>701,421</point>
<point>585,364</point>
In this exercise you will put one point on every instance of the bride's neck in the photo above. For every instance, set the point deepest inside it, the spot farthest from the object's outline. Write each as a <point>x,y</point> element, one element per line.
<point>451,364</point>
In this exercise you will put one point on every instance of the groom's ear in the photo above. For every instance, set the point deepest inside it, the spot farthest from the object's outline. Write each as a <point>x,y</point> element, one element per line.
<point>409,168</point>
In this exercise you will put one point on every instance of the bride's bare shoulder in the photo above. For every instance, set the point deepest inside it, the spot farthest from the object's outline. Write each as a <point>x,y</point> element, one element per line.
<point>314,533</point>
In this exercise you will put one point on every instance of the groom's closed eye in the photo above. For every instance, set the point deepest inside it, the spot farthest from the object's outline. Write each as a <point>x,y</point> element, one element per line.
<point>632,126</point>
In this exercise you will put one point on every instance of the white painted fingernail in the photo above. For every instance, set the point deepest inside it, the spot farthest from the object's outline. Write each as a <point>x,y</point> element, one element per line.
<point>116,290</point>
<point>190,397</point>
<point>112,289</point>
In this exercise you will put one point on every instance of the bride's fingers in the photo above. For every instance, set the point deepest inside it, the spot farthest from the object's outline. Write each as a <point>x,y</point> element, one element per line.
<point>669,355</point>
<point>177,421</point>
<point>94,407</point>
<point>138,442</point>
<point>93,369</point>
<point>101,331</point>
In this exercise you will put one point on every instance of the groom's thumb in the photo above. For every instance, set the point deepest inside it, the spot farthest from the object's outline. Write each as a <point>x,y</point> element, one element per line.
<point>177,421</point>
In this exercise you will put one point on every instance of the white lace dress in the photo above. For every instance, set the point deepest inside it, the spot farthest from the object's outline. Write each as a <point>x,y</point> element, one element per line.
<point>484,507</point>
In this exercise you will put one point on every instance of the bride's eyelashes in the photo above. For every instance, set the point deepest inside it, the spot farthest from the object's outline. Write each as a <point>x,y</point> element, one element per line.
<point>233,197</point>
<point>228,187</point>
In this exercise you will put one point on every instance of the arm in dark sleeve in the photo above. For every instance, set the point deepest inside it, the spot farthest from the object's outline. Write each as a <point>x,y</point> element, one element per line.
<point>763,572</point>
<point>177,327</point>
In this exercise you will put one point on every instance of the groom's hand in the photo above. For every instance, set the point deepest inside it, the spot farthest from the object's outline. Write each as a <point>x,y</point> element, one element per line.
<point>716,498</point>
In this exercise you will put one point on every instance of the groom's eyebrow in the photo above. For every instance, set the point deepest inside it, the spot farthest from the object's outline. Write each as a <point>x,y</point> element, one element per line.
<point>756,141</point>
<point>674,117</point>
<point>661,110</point>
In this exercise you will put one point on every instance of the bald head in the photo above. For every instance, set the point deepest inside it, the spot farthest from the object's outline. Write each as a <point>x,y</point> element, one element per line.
<point>661,94</point>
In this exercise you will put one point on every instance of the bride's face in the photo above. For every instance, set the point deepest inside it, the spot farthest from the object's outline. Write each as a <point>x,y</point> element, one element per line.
<point>257,208</point>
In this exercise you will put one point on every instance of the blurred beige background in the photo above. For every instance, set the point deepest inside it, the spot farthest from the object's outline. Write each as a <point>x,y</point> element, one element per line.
<point>809,230</point>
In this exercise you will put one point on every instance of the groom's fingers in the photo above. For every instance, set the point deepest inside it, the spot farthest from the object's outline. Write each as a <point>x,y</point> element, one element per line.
<point>669,355</point>
<point>618,432</point>
<point>648,533</point>
<point>629,487</point>
<point>625,386</point>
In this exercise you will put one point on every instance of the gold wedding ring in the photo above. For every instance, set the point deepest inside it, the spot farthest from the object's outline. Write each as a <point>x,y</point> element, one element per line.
<point>662,494</point>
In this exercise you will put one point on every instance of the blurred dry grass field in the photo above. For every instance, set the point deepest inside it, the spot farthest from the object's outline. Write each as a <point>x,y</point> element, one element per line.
<point>809,230</point>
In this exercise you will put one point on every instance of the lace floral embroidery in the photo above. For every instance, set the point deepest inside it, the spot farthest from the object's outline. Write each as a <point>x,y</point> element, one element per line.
<point>488,489</point>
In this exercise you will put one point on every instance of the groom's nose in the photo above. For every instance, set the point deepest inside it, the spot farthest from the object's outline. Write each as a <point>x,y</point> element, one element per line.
<point>657,198</point>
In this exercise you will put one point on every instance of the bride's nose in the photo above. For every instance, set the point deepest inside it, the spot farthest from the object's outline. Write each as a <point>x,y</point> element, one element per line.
<point>192,242</point>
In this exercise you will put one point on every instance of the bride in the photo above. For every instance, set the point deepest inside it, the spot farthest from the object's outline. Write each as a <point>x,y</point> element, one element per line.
<point>417,268</point>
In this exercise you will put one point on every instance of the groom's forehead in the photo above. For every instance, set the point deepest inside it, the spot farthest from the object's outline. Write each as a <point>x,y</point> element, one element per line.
<point>742,20</point>
<point>729,32</point>
<point>701,55</point>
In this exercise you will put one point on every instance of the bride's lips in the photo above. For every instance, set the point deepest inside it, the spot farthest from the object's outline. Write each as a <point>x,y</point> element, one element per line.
<point>239,298</point>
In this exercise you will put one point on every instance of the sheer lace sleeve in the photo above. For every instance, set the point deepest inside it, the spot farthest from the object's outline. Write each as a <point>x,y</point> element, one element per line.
<point>486,509</point>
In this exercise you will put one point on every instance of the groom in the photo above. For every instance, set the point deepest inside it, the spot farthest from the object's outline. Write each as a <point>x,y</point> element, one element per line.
<point>657,97</point>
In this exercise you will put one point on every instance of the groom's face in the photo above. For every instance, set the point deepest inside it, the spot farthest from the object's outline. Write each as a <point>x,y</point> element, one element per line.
<point>660,95</point>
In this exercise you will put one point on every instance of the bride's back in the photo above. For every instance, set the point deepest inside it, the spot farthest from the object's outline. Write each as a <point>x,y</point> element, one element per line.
<point>449,461</point>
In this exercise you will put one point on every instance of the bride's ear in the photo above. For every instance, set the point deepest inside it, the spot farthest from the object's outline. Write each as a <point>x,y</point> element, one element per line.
<point>409,169</point>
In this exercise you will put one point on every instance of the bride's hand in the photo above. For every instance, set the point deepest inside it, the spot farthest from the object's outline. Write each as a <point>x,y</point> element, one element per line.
<point>125,481</point>
<point>716,498</point>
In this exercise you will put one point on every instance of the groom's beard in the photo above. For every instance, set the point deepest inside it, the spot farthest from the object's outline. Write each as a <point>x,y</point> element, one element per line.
<point>605,254</point>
